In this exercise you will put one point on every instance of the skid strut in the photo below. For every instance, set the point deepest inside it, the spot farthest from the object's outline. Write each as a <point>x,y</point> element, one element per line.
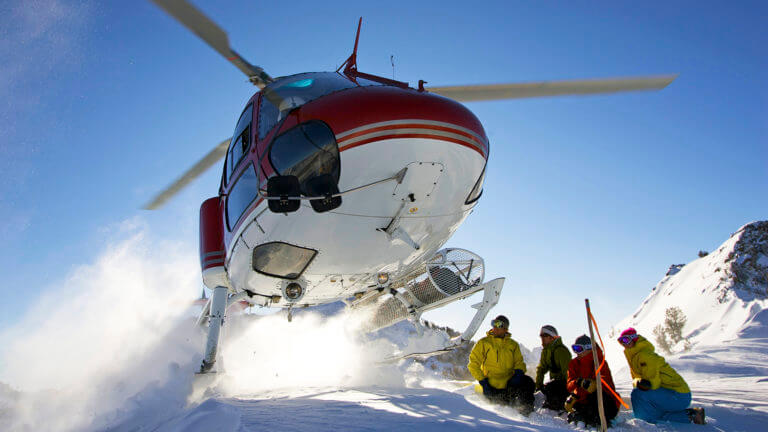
<point>218,307</point>
<point>491,293</point>
<point>450,275</point>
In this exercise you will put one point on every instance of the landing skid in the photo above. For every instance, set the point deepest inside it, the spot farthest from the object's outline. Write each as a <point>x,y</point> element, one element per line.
<point>205,386</point>
<point>450,275</point>
<point>418,355</point>
<point>206,370</point>
<point>491,293</point>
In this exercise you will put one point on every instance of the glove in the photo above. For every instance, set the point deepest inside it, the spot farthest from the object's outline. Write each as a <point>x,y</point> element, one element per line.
<point>589,385</point>
<point>515,380</point>
<point>569,403</point>
<point>486,386</point>
<point>642,384</point>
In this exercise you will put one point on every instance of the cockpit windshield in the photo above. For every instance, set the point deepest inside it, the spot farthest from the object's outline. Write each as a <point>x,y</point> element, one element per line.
<point>294,91</point>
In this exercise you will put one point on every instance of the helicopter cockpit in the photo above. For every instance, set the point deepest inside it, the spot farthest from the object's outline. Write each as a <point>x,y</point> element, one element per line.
<point>291,92</point>
<point>305,157</point>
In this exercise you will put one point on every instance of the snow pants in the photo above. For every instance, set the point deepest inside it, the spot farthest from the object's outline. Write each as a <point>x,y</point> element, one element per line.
<point>556,393</point>
<point>515,394</point>
<point>588,411</point>
<point>661,405</point>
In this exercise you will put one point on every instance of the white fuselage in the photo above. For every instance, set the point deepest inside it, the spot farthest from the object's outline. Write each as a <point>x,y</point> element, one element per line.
<point>351,243</point>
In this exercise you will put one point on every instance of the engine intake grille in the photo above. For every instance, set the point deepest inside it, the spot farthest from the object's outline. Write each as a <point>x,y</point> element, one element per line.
<point>447,273</point>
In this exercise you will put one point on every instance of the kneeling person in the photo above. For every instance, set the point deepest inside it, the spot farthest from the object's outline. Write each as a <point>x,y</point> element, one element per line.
<point>582,404</point>
<point>660,393</point>
<point>497,363</point>
<point>554,359</point>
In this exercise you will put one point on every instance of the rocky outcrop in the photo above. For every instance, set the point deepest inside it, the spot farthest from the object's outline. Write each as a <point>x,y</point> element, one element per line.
<point>747,263</point>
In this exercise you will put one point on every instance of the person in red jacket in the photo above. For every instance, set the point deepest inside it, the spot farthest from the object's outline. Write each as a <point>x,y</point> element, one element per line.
<point>582,403</point>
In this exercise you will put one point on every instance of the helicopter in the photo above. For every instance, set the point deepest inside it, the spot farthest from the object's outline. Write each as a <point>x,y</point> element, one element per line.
<point>344,186</point>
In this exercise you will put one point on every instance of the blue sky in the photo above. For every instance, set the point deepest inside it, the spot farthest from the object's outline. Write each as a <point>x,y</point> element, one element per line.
<point>103,104</point>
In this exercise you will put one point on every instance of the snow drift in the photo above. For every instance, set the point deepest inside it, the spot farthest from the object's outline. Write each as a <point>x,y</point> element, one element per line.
<point>106,333</point>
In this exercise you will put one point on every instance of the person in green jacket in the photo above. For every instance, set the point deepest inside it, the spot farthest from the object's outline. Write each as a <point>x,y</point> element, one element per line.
<point>660,393</point>
<point>497,364</point>
<point>554,359</point>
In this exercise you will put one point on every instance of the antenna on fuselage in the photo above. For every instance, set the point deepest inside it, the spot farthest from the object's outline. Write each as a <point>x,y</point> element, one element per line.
<point>350,64</point>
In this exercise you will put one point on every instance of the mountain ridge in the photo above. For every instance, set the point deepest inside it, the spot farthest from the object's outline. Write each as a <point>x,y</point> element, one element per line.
<point>719,293</point>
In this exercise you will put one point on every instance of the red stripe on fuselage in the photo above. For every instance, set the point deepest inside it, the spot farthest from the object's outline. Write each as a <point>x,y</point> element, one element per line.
<point>394,136</point>
<point>412,126</point>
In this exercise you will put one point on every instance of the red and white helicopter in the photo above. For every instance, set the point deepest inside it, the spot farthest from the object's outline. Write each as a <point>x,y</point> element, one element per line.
<point>344,186</point>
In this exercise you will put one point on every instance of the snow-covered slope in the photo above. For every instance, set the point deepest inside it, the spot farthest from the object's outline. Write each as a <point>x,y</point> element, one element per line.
<point>724,296</point>
<point>719,293</point>
<point>318,373</point>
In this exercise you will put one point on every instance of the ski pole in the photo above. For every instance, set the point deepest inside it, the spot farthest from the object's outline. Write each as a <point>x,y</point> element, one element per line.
<point>616,395</point>
<point>600,408</point>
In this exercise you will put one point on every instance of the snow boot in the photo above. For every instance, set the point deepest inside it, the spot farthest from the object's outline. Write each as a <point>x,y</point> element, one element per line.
<point>575,417</point>
<point>697,415</point>
<point>525,409</point>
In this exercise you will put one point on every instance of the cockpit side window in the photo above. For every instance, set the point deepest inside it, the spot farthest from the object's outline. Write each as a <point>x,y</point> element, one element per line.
<point>242,194</point>
<point>268,114</point>
<point>477,190</point>
<point>241,141</point>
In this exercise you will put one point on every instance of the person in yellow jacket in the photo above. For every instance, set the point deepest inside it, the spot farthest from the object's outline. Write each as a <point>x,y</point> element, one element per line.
<point>660,393</point>
<point>497,363</point>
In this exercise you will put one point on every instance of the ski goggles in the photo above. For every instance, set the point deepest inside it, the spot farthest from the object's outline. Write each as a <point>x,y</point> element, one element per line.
<point>498,324</point>
<point>578,348</point>
<point>626,340</point>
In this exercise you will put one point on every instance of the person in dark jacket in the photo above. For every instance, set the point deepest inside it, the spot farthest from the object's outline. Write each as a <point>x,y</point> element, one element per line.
<point>497,364</point>
<point>582,403</point>
<point>554,359</point>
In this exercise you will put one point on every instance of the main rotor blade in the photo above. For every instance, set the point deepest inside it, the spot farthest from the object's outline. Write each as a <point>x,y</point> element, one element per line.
<point>473,93</point>
<point>213,35</point>
<point>200,167</point>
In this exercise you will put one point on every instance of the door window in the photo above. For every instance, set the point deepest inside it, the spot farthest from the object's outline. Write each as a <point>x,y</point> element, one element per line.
<point>241,195</point>
<point>241,141</point>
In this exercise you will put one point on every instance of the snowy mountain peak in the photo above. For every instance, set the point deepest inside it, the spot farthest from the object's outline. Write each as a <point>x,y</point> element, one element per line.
<point>747,262</point>
<point>718,293</point>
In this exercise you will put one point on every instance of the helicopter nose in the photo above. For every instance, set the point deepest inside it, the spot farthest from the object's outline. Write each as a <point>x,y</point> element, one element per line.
<point>363,115</point>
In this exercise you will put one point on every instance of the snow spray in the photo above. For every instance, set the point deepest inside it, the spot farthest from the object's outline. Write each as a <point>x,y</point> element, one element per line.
<point>110,335</point>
